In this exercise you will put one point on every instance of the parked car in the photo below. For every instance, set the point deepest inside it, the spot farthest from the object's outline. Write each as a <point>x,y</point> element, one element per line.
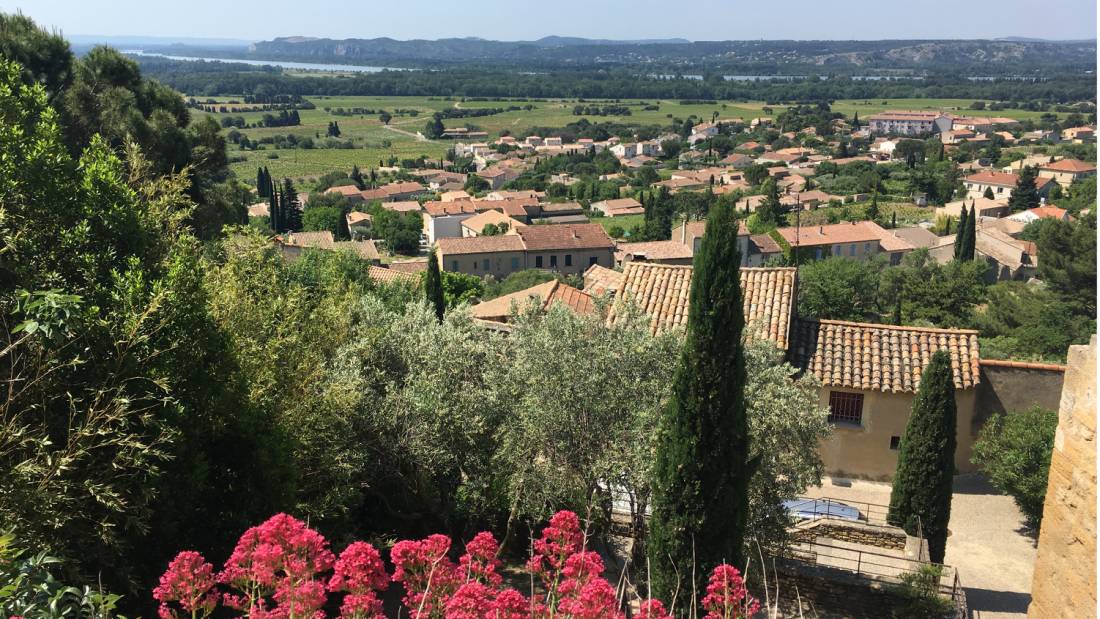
<point>811,509</point>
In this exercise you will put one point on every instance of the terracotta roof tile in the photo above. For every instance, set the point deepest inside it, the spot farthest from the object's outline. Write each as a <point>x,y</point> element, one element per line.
<point>601,280</point>
<point>874,357</point>
<point>664,291</point>
<point>382,274</point>
<point>547,293</point>
<point>479,244</point>
<point>565,236</point>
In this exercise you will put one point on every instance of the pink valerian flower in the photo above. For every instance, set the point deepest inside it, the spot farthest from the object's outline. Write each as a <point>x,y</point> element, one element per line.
<point>480,562</point>
<point>580,569</point>
<point>652,609</point>
<point>510,604</point>
<point>361,606</point>
<point>188,581</point>
<point>560,539</point>
<point>359,570</point>
<point>727,597</point>
<point>426,572</point>
<point>595,600</point>
<point>282,558</point>
<point>473,600</point>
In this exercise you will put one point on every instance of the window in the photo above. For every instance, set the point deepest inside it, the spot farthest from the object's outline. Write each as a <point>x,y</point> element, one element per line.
<point>845,407</point>
<point>538,262</point>
<point>837,249</point>
<point>485,264</point>
<point>553,261</point>
<point>475,265</point>
<point>568,260</point>
<point>592,260</point>
<point>866,248</point>
<point>817,254</point>
<point>852,249</point>
<point>895,258</point>
<point>454,265</point>
<point>515,264</point>
<point>895,442</point>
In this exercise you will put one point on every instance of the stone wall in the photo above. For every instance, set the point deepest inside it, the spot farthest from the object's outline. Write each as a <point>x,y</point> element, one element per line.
<point>1009,386</point>
<point>868,536</point>
<point>1064,580</point>
<point>829,593</point>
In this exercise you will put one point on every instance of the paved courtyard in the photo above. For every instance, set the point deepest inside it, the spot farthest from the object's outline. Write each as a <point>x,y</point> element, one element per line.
<point>988,545</point>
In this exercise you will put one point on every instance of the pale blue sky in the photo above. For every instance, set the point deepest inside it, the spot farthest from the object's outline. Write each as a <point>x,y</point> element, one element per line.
<point>531,19</point>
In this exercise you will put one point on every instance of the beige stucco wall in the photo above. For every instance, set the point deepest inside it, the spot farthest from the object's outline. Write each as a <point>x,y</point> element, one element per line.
<point>1064,578</point>
<point>864,451</point>
<point>500,263</point>
<point>1064,179</point>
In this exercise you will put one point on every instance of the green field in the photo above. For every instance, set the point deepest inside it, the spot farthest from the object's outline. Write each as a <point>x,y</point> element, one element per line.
<point>626,222</point>
<point>375,142</point>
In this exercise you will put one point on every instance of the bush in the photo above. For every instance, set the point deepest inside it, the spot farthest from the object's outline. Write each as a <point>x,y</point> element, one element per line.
<point>1014,451</point>
<point>920,594</point>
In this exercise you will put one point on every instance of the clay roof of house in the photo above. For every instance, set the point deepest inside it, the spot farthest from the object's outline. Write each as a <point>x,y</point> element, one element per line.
<point>345,190</point>
<point>513,207</point>
<point>561,207</point>
<point>479,244</point>
<point>454,196</point>
<point>1048,212</point>
<point>1006,250</point>
<point>601,280</point>
<point>874,357</point>
<point>547,294</point>
<point>319,240</point>
<point>495,217</point>
<point>765,244</point>
<point>441,209</point>
<point>916,236</point>
<point>848,232</point>
<point>664,291</point>
<point>260,209</point>
<point>654,250</point>
<point>412,265</point>
<point>1069,165</point>
<point>565,236</point>
<point>1027,365</point>
<point>382,274</point>
<point>1003,179</point>
<point>620,203</point>
<point>364,249</point>
<point>355,217</point>
<point>402,206</point>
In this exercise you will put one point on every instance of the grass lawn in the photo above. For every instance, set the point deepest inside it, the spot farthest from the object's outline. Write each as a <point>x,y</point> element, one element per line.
<point>626,222</point>
<point>375,142</point>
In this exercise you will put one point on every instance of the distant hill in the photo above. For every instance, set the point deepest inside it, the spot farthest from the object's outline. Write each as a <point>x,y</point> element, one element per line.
<point>975,57</point>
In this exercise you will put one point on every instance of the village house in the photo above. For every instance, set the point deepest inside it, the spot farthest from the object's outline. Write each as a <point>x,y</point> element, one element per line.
<point>1065,172</point>
<point>566,248</point>
<point>1001,184</point>
<point>1047,211</point>
<point>910,123</point>
<point>1009,258</point>
<point>659,252</point>
<point>1079,135</point>
<point>984,206</point>
<point>619,207</point>
<point>498,175</point>
<point>444,219</point>
<point>544,296</point>
<point>359,224</point>
<point>755,249</point>
<point>870,374</point>
<point>474,226</point>
<point>392,192</point>
<point>736,160</point>
<point>858,240</point>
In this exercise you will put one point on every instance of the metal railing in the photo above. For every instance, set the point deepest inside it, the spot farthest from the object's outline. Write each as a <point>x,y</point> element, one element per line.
<point>873,565</point>
<point>869,513</point>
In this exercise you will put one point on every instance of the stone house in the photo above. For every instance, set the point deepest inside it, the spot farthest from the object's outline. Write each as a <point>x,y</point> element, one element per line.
<point>1065,172</point>
<point>560,248</point>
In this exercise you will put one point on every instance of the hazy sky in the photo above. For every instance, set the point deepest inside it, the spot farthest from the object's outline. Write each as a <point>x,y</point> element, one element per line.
<point>531,19</point>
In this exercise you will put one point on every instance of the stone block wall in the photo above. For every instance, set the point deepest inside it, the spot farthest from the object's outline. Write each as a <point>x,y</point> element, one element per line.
<point>1064,580</point>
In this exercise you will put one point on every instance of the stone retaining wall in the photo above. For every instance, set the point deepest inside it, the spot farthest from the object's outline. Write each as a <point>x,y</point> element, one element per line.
<point>852,533</point>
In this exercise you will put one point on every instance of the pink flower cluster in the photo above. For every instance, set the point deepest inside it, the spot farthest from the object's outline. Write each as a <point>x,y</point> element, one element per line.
<point>281,570</point>
<point>727,597</point>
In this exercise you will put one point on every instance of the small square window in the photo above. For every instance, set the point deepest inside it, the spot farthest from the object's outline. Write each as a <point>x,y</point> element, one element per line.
<point>895,442</point>
<point>553,261</point>
<point>568,260</point>
<point>592,260</point>
<point>538,262</point>
<point>852,249</point>
<point>515,264</point>
<point>485,264</point>
<point>846,407</point>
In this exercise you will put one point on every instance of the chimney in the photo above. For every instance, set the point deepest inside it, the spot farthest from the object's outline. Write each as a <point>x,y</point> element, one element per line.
<point>684,232</point>
<point>821,230</point>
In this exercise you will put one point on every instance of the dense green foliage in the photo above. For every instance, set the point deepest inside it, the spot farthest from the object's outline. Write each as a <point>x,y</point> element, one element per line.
<point>920,500</point>
<point>1014,450</point>
<point>703,462</point>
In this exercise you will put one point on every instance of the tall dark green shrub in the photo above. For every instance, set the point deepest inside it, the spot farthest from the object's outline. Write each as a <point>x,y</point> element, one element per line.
<point>1026,194</point>
<point>969,234</point>
<point>702,475</point>
<point>959,231</point>
<point>433,286</point>
<point>920,501</point>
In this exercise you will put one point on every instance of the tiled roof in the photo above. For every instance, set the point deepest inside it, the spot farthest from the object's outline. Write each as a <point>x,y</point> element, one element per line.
<point>479,221</point>
<point>412,265</point>
<point>1002,179</point>
<point>319,240</point>
<point>1070,165</point>
<point>601,280</point>
<point>382,274</point>
<point>402,206</point>
<point>479,244</point>
<point>655,250</point>
<point>355,217</point>
<point>364,249</point>
<point>875,357</point>
<point>664,292</point>
<point>565,236</point>
<point>849,232</point>
<point>440,209</point>
<point>548,293</point>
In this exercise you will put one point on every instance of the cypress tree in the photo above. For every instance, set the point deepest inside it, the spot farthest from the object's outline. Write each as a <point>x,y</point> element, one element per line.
<point>357,176</point>
<point>988,193</point>
<point>768,213</point>
<point>273,209</point>
<point>291,208</point>
<point>894,219</point>
<point>920,501</point>
<point>959,232</point>
<point>261,186</point>
<point>1025,195</point>
<point>872,210</point>
<point>701,478</point>
<point>969,234</point>
<point>433,286</point>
